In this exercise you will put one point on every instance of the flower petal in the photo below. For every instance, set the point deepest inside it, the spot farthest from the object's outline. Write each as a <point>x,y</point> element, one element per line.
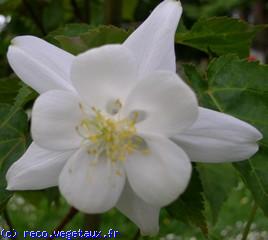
<point>40,64</point>
<point>104,74</point>
<point>91,186</point>
<point>167,104</point>
<point>218,137</point>
<point>55,116</point>
<point>144,215</point>
<point>38,168</point>
<point>160,176</point>
<point>153,42</point>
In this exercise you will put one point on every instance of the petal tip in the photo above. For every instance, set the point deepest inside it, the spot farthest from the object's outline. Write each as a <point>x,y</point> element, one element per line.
<point>18,40</point>
<point>9,188</point>
<point>259,135</point>
<point>11,183</point>
<point>9,173</point>
<point>175,2</point>
<point>254,149</point>
<point>11,179</point>
<point>10,52</point>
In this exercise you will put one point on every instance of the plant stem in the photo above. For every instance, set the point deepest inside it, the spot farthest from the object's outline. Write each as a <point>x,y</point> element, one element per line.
<point>72,212</point>
<point>76,11</point>
<point>137,235</point>
<point>92,221</point>
<point>113,12</point>
<point>87,6</point>
<point>250,221</point>
<point>8,221</point>
<point>34,17</point>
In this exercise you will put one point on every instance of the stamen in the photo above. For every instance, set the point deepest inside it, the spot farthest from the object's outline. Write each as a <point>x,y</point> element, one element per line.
<point>113,138</point>
<point>113,107</point>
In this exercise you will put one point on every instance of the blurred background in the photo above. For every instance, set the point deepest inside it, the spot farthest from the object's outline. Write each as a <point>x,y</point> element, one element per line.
<point>47,18</point>
<point>40,17</point>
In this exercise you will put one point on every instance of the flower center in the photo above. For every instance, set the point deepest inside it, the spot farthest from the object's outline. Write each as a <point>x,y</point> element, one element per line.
<point>110,137</point>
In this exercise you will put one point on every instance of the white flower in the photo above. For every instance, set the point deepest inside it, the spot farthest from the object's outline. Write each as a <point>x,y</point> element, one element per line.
<point>106,123</point>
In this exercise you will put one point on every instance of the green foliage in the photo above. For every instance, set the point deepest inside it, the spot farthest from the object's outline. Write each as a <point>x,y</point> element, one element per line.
<point>4,195</point>
<point>211,8</point>
<point>129,7</point>
<point>9,87</point>
<point>33,197</point>
<point>14,132</point>
<point>240,88</point>
<point>76,39</point>
<point>217,185</point>
<point>219,36</point>
<point>195,79</point>
<point>229,84</point>
<point>216,36</point>
<point>24,95</point>
<point>144,8</point>
<point>189,207</point>
<point>13,142</point>
<point>254,174</point>
<point>53,15</point>
<point>69,30</point>
<point>8,7</point>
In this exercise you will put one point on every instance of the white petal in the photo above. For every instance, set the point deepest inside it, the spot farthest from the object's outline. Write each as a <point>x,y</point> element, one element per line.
<point>104,74</point>
<point>166,103</point>
<point>160,176</point>
<point>55,116</point>
<point>153,42</point>
<point>144,215</point>
<point>40,64</point>
<point>218,137</point>
<point>90,186</point>
<point>38,168</point>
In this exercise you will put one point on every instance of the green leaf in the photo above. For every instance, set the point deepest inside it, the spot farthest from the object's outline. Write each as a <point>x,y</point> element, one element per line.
<point>9,88</point>
<point>211,8</point>
<point>195,79</point>
<point>220,35</point>
<point>240,88</point>
<point>13,136</point>
<point>254,175</point>
<point>129,7</point>
<point>9,6</point>
<point>13,91</point>
<point>53,14</point>
<point>13,142</point>
<point>4,195</point>
<point>189,207</point>
<point>218,180</point>
<point>70,30</point>
<point>144,8</point>
<point>24,96</point>
<point>52,195</point>
<point>13,133</point>
<point>85,37</point>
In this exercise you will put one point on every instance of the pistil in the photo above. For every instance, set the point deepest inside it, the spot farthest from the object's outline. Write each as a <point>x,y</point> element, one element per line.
<point>111,137</point>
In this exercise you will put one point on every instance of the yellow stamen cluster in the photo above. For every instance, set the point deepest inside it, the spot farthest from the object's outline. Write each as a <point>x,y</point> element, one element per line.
<point>113,138</point>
